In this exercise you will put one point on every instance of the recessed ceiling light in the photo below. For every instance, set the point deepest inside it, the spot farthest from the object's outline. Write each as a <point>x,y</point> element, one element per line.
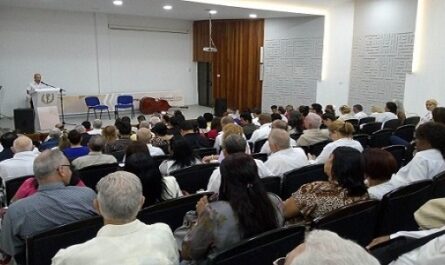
<point>213,12</point>
<point>118,2</point>
<point>167,7</point>
<point>253,16</point>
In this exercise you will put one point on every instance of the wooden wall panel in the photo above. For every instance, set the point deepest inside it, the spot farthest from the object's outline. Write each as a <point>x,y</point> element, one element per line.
<point>237,62</point>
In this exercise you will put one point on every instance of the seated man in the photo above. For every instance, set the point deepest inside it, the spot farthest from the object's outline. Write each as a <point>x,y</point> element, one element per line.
<point>52,141</point>
<point>97,127</point>
<point>76,149</point>
<point>277,124</point>
<point>21,163</point>
<point>263,132</point>
<point>196,140</point>
<point>124,239</point>
<point>95,157</point>
<point>6,141</point>
<point>312,134</point>
<point>54,204</point>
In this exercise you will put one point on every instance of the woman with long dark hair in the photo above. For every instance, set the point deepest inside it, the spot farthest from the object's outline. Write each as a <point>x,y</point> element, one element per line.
<point>155,188</point>
<point>345,185</point>
<point>243,210</point>
<point>182,157</point>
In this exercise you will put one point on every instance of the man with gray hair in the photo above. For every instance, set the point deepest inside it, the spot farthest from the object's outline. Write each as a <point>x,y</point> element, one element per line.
<point>234,143</point>
<point>22,161</point>
<point>52,205</point>
<point>312,134</point>
<point>277,124</point>
<point>124,239</point>
<point>52,141</point>
<point>97,127</point>
<point>325,247</point>
<point>95,157</point>
<point>144,135</point>
<point>284,158</point>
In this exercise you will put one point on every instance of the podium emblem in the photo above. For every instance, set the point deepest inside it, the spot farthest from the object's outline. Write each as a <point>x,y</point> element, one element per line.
<point>47,98</point>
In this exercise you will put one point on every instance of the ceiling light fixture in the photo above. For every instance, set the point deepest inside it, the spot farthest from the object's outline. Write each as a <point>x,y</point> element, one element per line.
<point>212,46</point>
<point>213,12</point>
<point>253,15</point>
<point>167,7</point>
<point>118,2</point>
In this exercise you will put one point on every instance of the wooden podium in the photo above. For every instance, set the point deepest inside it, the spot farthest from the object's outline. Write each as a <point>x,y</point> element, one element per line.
<point>46,107</point>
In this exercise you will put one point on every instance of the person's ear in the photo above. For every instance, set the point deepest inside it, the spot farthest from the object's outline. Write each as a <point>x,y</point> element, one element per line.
<point>96,206</point>
<point>142,202</point>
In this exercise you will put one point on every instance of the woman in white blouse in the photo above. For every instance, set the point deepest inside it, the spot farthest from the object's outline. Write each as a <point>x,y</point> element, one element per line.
<point>341,134</point>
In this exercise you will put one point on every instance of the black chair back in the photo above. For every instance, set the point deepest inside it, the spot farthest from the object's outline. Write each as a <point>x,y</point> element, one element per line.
<point>257,145</point>
<point>406,132</point>
<point>272,184</point>
<point>41,248</point>
<point>92,174</point>
<point>195,177</point>
<point>260,156</point>
<point>398,207</point>
<point>316,149</point>
<point>391,124</point>
<point>399,153</point>
<point>380,138</point>
<point>362,138</point>
<point>295,136</point>
<point>356,222</point>
<point>296,178</point>
<point>261,249</point>
<point>172,211</point>
<point>158,159</point>
<point>439,185</point>
<point>202,152</point>
<point>413,120</point>
<point>366,120</point>
<point>371,127</point>
<point>12,185</point>
<point>354,122</point>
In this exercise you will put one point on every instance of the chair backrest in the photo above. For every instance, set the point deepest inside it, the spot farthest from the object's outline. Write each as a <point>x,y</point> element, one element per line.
<point>316,148</point>
<point>380,138</point>
<point>398,207</point>
<point>195,177</point>
<point>295,136</point>
<point>42,247</point>
<point>296,178</point>
<point>12,185</point>
<point>202,152</point>
<point>371,127</point>
<point>257,145</point>
<point>92,101</point>
<point>391,124</point>
<point>261,156</point>
<point>125,99</point>
<point>356,222</point>
<point>171,212</point>
<point>413,120</point>
<point>406,132</point>
<point>272,184</point>
<point>362,138</point>
<point>261,249</point>
<point>399,153</point>
<point>439,185</point>
<point>158,159</point>
<point>366,120</point>
<point>354,122</point>
<point>92,174</point>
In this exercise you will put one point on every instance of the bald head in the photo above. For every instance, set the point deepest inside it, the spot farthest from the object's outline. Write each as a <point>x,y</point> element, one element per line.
<point>22,144</point>
<point>144,135</point>
<point>279,140</point>
<point>279,124</point>
<point>312,121</point>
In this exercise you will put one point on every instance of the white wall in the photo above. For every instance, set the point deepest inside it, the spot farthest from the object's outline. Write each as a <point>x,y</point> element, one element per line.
<point>429,80</point>
<point>78,52</point>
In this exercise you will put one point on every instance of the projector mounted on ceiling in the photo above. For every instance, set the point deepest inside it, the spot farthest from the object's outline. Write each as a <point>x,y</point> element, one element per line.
<point>212,46</point>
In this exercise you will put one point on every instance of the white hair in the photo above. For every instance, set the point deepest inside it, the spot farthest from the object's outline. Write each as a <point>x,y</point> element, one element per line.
<point>325,247</point>
<point>80,128</point>
<point>280,138</point>
<point>313,121</point>
<point>47,163</point>
<point>119,196</point>
<point>97,124</point>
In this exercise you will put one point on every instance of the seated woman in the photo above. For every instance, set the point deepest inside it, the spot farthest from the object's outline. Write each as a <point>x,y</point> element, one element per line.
<point>243,210</point>
<point>161,139</point>
<point>182,157</point>
<point>346,113</point>
<point>155,188</point>
<point>379,166</point>
<point>345,171</point>
<point>341,134</point>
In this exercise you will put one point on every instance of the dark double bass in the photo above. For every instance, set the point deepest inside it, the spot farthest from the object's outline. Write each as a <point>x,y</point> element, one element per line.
<point>149,105</point>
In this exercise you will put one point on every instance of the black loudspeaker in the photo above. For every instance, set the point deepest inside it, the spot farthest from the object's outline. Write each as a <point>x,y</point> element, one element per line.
<point>220,106</point>
<point>24,120</point>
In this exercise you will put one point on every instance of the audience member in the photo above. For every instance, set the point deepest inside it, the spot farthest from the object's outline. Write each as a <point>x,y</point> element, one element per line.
<point>430,105</point>
<point>400,110</point>
<point>21,164</point>
<point>274,108</point>
<point>155,187</point>
<point>85,137</point>
<point>54,204</point>
<point>182,157</point>
<point>64,142</point>
<point>202,125</point>
<point>256,112</point>
<point>431,215</point>
<point>144,135</point>
<point>379,166</point>
<point>76,149</point>
<point>295,122</point>
<point>152,121</point>
<point>53,140</point>
<point>341,134</point>
<point>427,162</point>
<point>275,116</point>
<point>95,157</point>
<point>219,139</point>
<point>282,112</point>
<point>327,118</point>
<point>284,158</point>
<point>345,185</point>
<point>215,128</point>
<point>228,129</point>
<point>317,109</point>
<point>346,113</point>
<point>389,114</point>
<point>123,239</point>
<point>243,210</point>
<point>6,140</point>
<point>209,118</point>
<point>358,112</point>
<point>278,124</point>
<point>97,127</point>
<point>246,123</point>
<point>312,134</point>
<point>330,109</point>
<point>264,130</point>
<point>439,115</point>
<point>119,146</point>
<point>194,139</point>
<point>161,139</point>
<point>304,110</point>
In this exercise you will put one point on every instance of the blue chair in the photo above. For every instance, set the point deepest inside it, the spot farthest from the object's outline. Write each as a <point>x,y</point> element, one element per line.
<point>124,102</point>
<point>94,103</point>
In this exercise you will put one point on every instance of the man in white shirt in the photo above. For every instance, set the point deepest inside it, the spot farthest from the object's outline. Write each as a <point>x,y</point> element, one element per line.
<point>277,124</point>
<point>234,144</point>
<point>312,134</point>
<point>21,164</point>
<point>97,127</point>
<point>264,130</point>
<point>389,114</point>
<point>144,135</point>
<point>123,239</point>
<point>33,87</point>
<point>95,157</point>
<point>219,138</point>
<point>358,110</point>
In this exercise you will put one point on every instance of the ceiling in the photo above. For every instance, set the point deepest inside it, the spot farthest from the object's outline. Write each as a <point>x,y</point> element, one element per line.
<point>184,9</point>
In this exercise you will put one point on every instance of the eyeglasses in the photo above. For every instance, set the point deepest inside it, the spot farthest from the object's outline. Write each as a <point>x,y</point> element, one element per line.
<point>280,261</point>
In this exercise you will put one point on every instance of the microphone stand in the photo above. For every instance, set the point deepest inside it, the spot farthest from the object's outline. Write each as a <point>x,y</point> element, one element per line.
<point>61,102</point>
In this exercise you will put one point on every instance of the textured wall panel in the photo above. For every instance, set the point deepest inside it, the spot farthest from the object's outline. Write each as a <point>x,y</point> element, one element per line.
<point>379,67</point>
<point>291,70</point>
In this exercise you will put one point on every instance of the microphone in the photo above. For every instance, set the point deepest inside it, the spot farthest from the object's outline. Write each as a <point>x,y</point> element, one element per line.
<point>47,84</point>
